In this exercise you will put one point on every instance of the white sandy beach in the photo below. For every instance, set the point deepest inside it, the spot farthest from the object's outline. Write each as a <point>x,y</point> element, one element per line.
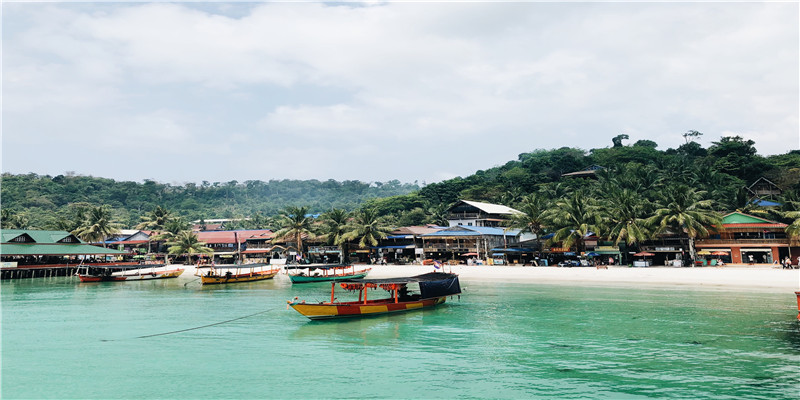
<point>744,277</point>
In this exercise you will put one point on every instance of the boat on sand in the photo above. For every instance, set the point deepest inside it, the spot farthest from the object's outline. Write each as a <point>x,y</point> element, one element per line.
<point>405,294</point>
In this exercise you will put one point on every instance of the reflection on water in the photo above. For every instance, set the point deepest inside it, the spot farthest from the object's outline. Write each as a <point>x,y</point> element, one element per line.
<point>498,341</point>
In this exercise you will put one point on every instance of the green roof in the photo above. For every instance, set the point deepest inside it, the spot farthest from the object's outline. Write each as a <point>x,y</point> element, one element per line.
<point>41,237</point>
<point>19,249</point>
<point>741,218</point>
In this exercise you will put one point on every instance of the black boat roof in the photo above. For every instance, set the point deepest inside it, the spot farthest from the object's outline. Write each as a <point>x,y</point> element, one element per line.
<point>429,277</point>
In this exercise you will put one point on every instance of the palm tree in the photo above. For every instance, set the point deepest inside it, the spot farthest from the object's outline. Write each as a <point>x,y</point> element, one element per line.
<point>295,223</point>
<point>171,229</point>
<point>367,228</point>
<point>626,217</point>
<point>335,227</point>
<point>793,230</point>
<point>576,216</point>
<point>97,226</point>
<point>154,221</point>
<point>437,214</point>
<point>532,218</point>
<point>186,242</point>
<point>685,210</point>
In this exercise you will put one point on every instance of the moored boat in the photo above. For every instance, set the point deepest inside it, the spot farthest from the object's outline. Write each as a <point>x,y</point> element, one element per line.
<point>157,271</point>
<point>798,304</point>
<point>126,272</point>
<point>324,272</point>
<point>405,294</point>
<point>222,274</point>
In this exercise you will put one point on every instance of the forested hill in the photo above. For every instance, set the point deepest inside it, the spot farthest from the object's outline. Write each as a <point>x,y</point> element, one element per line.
<point>45,199</point>
<point>719,173</point>
<point>723,170</point>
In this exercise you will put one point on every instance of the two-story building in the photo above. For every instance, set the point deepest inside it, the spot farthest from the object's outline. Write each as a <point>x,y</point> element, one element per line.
<point>475,213</point>
<point>746,239</point>
<point>461,242</point>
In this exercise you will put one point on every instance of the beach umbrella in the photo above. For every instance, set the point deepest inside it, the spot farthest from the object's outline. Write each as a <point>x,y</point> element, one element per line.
<point>719,253</point>
<point>704,253</point>
<point>592,254</point>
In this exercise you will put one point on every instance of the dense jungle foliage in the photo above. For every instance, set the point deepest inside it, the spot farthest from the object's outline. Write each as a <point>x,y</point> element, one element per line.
<point>639,177</point>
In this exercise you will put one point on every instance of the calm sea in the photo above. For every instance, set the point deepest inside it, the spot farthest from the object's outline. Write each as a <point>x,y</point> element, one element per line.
<point>63,339</point>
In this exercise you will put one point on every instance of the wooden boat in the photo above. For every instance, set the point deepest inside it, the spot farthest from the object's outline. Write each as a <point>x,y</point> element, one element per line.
<point>433,289</point>
<point>126,272</point>
<point>222,274</point>
<point>798,304</point>
<point>151,272</point>
<point>324,272</point>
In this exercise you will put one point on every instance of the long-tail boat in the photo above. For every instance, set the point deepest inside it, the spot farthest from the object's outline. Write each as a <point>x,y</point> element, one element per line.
<point>324,272</point>
<point>798,304</point>
<point>222,274</point>
<point>433,289</point>
<point>123,273</point>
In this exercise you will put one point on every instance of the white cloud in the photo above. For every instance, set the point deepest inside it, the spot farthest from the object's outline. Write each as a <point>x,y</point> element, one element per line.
<point>416,81</point>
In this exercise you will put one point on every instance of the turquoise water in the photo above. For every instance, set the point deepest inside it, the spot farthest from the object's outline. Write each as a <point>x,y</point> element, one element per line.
<point>63,339</point>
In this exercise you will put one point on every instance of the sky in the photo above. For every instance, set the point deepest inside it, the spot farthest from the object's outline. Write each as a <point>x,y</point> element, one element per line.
<point>377,91</point>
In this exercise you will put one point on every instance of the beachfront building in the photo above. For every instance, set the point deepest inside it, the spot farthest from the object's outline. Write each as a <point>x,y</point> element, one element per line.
<point>461,243</point>
<point>404,245</point>
<point>746,239</point>
<point>29,253</point>
<point>475,213</point>
<point>231,246</point>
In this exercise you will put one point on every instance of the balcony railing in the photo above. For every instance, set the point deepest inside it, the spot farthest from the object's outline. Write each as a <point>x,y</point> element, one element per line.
<point>742,241</point>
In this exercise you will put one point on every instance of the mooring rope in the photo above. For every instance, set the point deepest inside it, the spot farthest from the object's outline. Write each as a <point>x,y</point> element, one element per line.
<point>197,327</point>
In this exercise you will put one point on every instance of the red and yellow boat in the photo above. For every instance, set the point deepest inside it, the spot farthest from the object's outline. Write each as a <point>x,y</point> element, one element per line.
<point>798,304</point>
<point>223,274</point>
<point>433,289</point>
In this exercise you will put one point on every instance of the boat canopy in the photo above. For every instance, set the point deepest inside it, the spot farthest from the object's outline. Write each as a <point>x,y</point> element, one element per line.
<point>432,284</point>
<point>318,266</point>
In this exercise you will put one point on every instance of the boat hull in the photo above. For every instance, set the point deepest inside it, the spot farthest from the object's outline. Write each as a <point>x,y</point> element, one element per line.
<point>154,275</point>
<point>101,278</point>
<point>798,304</point>
<point>350,310</point>
<point>309,279</point>
<point>249,277</point>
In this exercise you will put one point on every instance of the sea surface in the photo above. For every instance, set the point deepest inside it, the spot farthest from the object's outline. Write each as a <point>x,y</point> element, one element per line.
<point>174,338</point>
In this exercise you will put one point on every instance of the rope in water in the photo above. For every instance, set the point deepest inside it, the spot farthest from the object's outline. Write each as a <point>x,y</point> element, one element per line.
<point>196,327</point>
<point>204,326</point>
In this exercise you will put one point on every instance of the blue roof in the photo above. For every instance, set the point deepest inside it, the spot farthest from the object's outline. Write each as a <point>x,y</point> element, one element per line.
<point>462,230</point>
<point>765,203</point>
<point>513,250</point>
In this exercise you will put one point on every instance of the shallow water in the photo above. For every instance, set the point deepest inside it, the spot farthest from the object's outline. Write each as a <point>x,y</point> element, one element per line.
<point>64,339</point>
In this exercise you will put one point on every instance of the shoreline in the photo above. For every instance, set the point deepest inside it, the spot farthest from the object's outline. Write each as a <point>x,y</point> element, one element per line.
<point>729,277</point>
<point>757,278</point>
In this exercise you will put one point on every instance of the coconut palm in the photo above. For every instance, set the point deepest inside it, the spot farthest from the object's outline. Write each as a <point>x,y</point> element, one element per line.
<point>97,226</point>
<point>367,228</point>
<point>171,229</point>
<point>187,243</point>
<point>575,216</point>
<point>154,221</point>
<point>626,217</point>
<point>295,223</point>
<point>335,227</point>
<point>437,214</point>
<point>793,230</point>
<point>685,210</point>
<point>532,218</point>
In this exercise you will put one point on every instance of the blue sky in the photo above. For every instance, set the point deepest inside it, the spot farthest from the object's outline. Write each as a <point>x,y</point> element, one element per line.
<point>379,91</point>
